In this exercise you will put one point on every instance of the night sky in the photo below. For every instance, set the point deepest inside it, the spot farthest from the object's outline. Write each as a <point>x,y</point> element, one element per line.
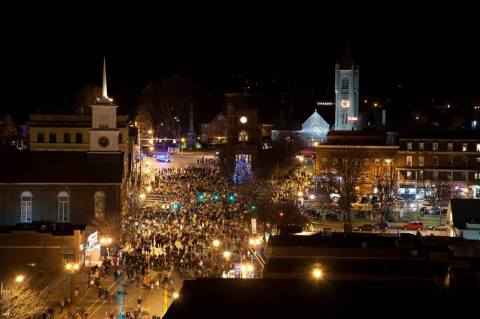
<point>408,55</point>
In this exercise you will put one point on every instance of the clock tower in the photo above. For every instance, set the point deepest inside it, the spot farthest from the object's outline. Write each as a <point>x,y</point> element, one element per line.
<point>346,93</point>
<point>104,132</point>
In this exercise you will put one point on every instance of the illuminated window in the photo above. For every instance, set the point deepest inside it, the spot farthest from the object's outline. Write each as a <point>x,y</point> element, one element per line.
<point>464,147</point>
<point>435,147</point>
<point>247,157</point>
<point>324,161</point>
<point>377,162</point>
<point>409,174</point>
<point>421,146</point>
<point>477,175</point>
<point>435,161</point>
<point>409,146</point>
<point>26,207</point>
<point>78,138</point>
<point>243,136</point>
<point>449,175</point>
<point>435,174</point>
<point>409,161</point>
<point>420,174</point>
<point>421,161</point>
<point>478,147</point>
<point>450,147</point>
<point>367,162</point>
<point>387,162</point>
<point>345,84</point>
<point>63,207</point>
<point>99,205</point>
<point>366,176</point>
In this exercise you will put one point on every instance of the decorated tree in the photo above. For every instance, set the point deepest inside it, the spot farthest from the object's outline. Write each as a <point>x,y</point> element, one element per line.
<point>242,172</point>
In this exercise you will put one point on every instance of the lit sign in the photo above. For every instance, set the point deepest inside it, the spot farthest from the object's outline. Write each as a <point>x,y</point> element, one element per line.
<point>352,118</point>
<point>345,104</point>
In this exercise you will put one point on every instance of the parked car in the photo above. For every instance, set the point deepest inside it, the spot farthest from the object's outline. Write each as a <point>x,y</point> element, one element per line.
<point>413,226</point>
<point>438,227</point>
<point>382,225</point>
<point>424,210</point>
<point>367,227</point>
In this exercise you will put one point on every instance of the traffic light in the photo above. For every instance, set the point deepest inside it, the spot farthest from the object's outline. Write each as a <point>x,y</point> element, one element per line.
<point>231,198</point>
<point>201,197</point>
<point>216,197</point>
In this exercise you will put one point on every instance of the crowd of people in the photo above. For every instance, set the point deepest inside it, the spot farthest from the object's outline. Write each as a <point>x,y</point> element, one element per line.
<point>193,207</point>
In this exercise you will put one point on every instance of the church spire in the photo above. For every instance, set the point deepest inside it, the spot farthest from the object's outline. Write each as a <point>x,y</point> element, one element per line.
<point>105,97</point>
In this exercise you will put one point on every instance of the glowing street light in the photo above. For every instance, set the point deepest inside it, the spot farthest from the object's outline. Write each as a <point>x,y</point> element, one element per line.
<point>317,273</point>
<point>216,243</point>
<point>72,267</point>
<point>227,254</point>
<point>176,295</point>
<point>300,194</point>
<point>19,279</point>
<point>151,148</point>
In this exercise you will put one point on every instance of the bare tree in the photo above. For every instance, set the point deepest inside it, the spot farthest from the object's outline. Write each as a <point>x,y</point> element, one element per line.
<point>22,300</point>
<point>164,106</point>
<point>341,175</point>
<point>385,181</point>
<point>83,98</point>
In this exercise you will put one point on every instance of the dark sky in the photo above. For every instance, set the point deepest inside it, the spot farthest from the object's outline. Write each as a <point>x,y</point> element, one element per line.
<point>406,52</point>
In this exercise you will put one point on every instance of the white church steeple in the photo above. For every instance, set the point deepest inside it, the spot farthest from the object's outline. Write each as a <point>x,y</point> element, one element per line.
<point>104,98</point>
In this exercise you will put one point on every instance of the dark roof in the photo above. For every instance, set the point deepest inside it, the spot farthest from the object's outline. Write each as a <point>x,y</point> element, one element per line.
<point>465,211</point>
<point>440,134</point>
<point>291,298</point>
<point>61,167</point>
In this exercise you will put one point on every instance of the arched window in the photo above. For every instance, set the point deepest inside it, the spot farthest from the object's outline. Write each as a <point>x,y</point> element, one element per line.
<point>26,207</point>
<point>100,205</point>
<point>63,201</point>
<point>243,136</point>
<point>345,84</point>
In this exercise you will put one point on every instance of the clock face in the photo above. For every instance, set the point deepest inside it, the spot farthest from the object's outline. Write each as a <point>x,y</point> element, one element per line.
<point>243,119</point>
<point>315,129</point>
<point>345,103</point>
<point>103,141</point>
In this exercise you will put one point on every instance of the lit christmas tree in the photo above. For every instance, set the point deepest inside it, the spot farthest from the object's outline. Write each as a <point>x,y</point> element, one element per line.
<point>243,171</point>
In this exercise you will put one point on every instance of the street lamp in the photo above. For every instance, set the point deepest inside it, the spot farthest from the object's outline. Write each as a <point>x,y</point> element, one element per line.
<point>216,243</point>
<point>19,279</point>
<point>150,131</point>
<point>227,254</point>
<point>317,273</point>
<point>176,295</point>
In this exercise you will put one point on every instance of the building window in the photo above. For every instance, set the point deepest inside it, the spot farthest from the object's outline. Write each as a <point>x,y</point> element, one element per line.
<point>377,162</point>
<point>450,147</point>
<point>52,138</point>
<point>243,136</point>
<point>79,138</point>
<point>366,162</point>
<point>345,84</point>
<point>409,146</point>
<point>67,138</point>
<point>478,147</point>
<point>247,157</point>
<point>103,121</point>
<point>435,161</point>
<point>435,147</point>
<point>409,161</point>
<point>465,161</point>
<point>449,175</point>
<point>464,147</point>
<point>435,175</point>
<point>387,162</point>
<point>40,137</point>
<point>409,174</point>
<point>366,176</point>
<point>477,175</point>
<point>420,174</point>
<point>450,161</point>
<point>120,138</point>
<point>63,207</point>
<point>421,146</point>
<point>324,161</point>
<point>99,205</point>
<point>26,207</point>
<point>421,161</point>
<point>464,176</point>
